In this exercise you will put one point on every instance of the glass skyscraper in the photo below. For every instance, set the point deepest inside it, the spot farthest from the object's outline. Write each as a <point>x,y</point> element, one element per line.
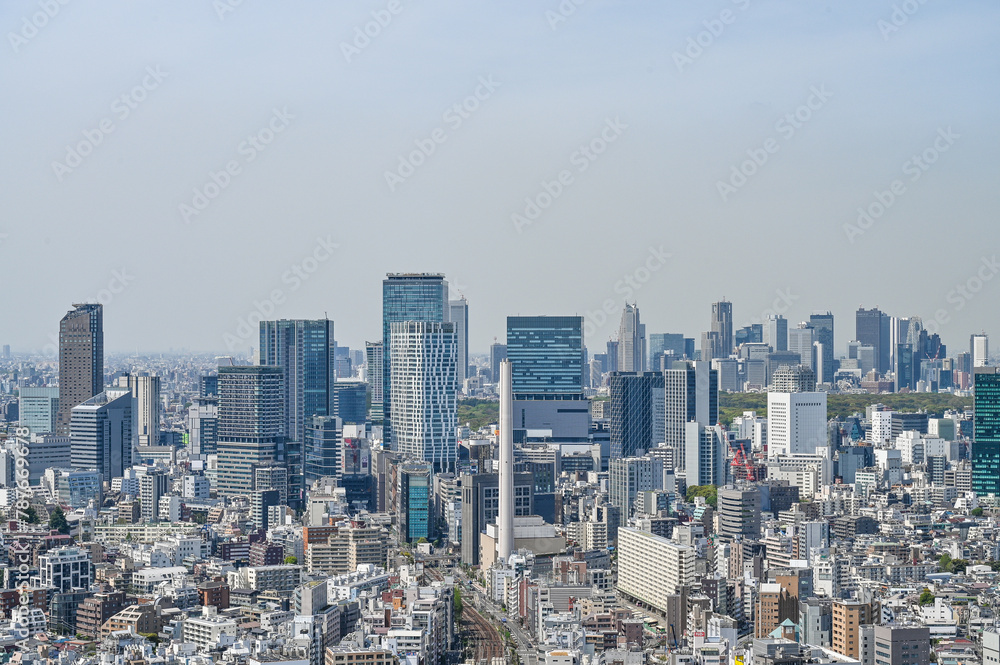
<point>407,297</point>
<point>986,431</point>
<point>637,416</point>
<point>304,350</point>
<point>322,448</point>
<point>547,356</point>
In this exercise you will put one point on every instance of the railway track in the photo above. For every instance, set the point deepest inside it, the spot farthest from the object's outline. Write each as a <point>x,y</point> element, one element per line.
<point>488,643</point>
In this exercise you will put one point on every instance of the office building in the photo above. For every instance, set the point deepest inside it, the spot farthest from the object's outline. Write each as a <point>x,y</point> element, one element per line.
<point>203,426</point>
<point>251,430</point>
<point>611,356</point>
<point>323,448</point>
<point>904,368</point>
<point>481,506</point>
<point>793,379</point>
<point>350,401</point>
<point>637,412</point>
<point>423,392</point>
<point>376,374</point>
<point>101,433</point>
<point>498,353</point>
<point>796,423</point>
<point>305,352</point>
<point>65,568</point>
<point>739,512</point>
<point>651,569</point>
<point>37,409</point>
<point>979,349</point>
<point>152,486</point>
<point>458,314</point>
<point>415,510</point>
<point>46,451</point>
<point>776,332</point>
<point>722,324</point>
<point>81,360</point>
<point>705,449</point>
<point>986,431</point>
<point>421,297</point>
<point>145,391</point>
<point>629,476</point>
<point>872,328</point>
<point>800,341</point>
<point>631,341</point>
<point>823,332</point>
<point>894,644</point>
<point>666,343</point>
<point>691,394</point>
<point>208,385</point>
<point>712,346</point>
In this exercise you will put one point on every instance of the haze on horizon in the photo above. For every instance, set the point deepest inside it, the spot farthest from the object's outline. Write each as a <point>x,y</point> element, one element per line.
<point>296,117</point>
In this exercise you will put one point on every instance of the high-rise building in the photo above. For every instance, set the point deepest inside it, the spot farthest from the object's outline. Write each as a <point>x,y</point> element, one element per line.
<point>101,433</point>
<point>705,448</point>
<point>458,314</point>
<point>979,348</point>
<point>637,412</point>
<point>691,394</point>
<point>739,512</point>
<point>208,385</point>
<point>498,353</point>
<point>848,617</point>
<point>350,401</point>
<point>203,425</point>
<point>872,328</point>
<point>631,341</point>
<point>38,409</point>
<point>251,431</point>
<point>722,323</point>
<point>481,506</point>
<point>415,497</point>
<point>904,368</point>
<point>712,346</point>
<point>145,390</point>
<point>548,361</point>
<point>375,374</point>
<point>776,332</point>
<point>81,359</point>
<point>323,453</point>
<point>423,392</point>
<point>651,569</point>
<point>986,431</point>
<point>407,297</point>
<point>796,423</point>
<point>800,341</point>
<point>910,645</point>
<point>822,325</point>
<point>793,379</point>
<point>152,486</point>
<point>305,352</point>
<point>627,476</point>
<point>666,344</point>
<point>611,356</point>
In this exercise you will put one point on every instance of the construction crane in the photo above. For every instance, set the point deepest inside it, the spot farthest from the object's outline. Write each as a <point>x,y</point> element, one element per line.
<point>742,462</point>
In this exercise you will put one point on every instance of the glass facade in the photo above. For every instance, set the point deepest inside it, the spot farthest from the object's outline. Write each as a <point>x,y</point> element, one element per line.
<point>637,415</point>
<point>322,449</point>
<point>415,514</point>
<point>986,432</point>
<point>351,401</point>
<point>547,356</point>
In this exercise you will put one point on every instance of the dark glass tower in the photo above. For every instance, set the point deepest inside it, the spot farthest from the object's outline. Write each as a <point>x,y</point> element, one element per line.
<point>304,350</point>
<point>546,355</point>
<point>419,297</point>
<point>637,416</point>
<point>872,329</point>
<point>986,432</point>
<point>322,448</point>
<point>81,359</point>
<point>822,324</point>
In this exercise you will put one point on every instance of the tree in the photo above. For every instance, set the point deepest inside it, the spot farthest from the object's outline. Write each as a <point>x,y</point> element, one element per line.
<point>710,492</point>
<point>945,563</point>
<point>57,520</point>
<point>959,565</point>
<point>926,597</point>
<point>291,559</point>
<point>977,512</point>
<point>457,599</point>
<point>31,515</point>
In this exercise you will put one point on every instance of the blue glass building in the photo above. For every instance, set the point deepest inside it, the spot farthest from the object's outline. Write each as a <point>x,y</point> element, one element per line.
<point>547,356</point>
<point>637,412</point>
<point>322,448</point>
<point>986,431</point>
<point>416,517</point>
<point>407,297</point>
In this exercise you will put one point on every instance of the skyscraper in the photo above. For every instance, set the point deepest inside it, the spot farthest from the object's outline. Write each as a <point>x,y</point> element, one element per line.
<point>407,297</point>
<point>304,351</point>
<point>376,374</point>
<point>796,423</point>
<point>986,431</point>
<point>822,324</point>
<point>979,348</point>
<point>631,341</point>
<point>81,359</point>
<point>872,328</point>
<point>722,323</point>
<point>904,368</point>
<point>145,391</point>
<point>705,449</point>
<point>423,390</point>
<point>38,408</point>
<point>203,426</point>
<point>691,394</point>
<point>458,313</point>
<point>251,425</point>
<point>800,341</point>
<point>323,448</point>
<point>101,433</point>
<point>637,416</point>
<point>776,332</point>
<point>498,353</point>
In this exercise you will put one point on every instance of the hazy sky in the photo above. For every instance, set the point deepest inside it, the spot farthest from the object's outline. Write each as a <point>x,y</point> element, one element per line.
<point>115,113</point>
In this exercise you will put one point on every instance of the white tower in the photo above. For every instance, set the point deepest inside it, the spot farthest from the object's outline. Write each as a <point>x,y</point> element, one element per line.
<point>505,519</point>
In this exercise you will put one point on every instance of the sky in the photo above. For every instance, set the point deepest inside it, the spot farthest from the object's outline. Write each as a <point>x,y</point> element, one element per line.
<point>197,166</point>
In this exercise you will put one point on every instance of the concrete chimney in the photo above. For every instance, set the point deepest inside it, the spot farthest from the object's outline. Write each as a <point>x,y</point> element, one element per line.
<point>505,519</point>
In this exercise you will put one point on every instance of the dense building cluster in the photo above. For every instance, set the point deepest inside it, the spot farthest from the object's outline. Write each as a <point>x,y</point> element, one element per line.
<point>312,504</point>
